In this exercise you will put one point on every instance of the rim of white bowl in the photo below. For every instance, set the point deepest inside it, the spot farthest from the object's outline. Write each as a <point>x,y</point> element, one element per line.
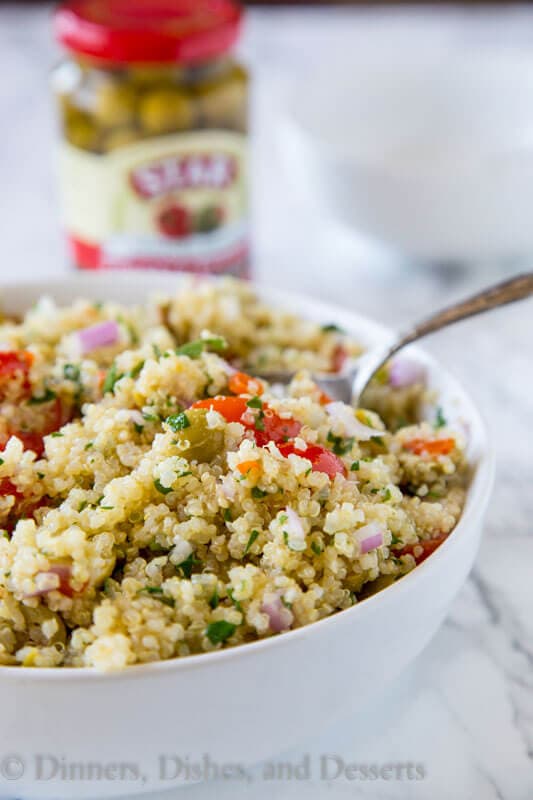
<point>478,495</point>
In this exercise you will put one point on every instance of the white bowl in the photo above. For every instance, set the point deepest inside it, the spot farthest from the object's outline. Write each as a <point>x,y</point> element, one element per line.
<point>432,154</point>
<point>239,705</point>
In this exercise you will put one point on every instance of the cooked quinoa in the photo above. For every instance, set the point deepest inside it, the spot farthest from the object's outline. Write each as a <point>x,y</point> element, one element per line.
<point>157,501</point>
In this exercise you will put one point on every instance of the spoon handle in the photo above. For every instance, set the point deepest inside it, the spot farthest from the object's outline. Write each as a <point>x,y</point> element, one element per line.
<point>517,288</point>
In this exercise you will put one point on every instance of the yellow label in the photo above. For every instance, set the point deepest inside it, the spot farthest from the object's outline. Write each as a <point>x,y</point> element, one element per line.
<point>178,201</point>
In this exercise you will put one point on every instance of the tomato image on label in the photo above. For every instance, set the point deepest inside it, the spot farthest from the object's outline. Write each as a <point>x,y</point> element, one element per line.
<point>174,221</point>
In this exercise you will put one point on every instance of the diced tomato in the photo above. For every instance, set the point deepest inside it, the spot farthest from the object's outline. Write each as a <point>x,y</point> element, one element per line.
<point>231,408</point>
<point>266,426</point>
<point>101,378</point>
<point>31,441</point>
<point>432,447</point>
<point>338,358</point>
<point>15,364</point>
<point>275,428</point>
<point>428,547</point>
<point>9,488</point>
<point>324,399</point>
<point>322,459</point>
<point>241,383</point>
<point>53,417</point>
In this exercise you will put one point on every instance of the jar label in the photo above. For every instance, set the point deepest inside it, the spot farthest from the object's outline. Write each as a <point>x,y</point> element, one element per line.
<point>175,202</point>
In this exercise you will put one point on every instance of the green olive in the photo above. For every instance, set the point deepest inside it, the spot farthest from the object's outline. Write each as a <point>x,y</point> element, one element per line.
<point>81,130</point>
<point>119,138</point>
<point>223,104</point>
<point>165,111</point>
<point>7,637</point>
<point>203,443</point>
<point>34,619</point>
<point>373,587</point>
<point>146,77</point>
<point>114,104</point>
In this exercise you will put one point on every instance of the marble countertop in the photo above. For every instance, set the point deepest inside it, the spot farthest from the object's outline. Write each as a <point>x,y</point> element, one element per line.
<point>464,709</point>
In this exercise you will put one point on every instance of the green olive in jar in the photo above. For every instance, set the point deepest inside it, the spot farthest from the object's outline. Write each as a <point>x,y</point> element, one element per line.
<point>81,130</point>
<point>165,111</point>
<point>114,104</point>
<point>146,77</point>
<point>223,104</point>
<point>119,137</point>
<point>198,442</point>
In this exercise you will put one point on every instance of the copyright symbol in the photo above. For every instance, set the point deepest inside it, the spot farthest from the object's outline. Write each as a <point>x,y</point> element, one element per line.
<point>11,768</point>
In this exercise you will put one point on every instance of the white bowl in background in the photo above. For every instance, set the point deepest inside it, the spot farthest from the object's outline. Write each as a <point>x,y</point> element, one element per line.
<point>432,154</point>
<point>240,705</point>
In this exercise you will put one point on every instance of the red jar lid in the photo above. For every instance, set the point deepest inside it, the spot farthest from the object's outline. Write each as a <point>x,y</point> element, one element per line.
<point>148,31</point>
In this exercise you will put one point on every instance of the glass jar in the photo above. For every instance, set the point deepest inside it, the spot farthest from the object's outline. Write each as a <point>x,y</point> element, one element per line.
<point>153,110</point>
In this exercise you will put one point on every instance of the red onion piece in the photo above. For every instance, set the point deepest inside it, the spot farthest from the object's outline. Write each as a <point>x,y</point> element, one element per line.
<point>295,530</point>
<point>101,335</point>
<point>56,578</point>
<point>369,536</point>
<point>406,372</point>
<point>280,617</point>
<point>345,416</point>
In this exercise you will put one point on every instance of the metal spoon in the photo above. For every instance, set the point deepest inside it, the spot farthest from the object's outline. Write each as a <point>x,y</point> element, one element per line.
<point>350,385</point>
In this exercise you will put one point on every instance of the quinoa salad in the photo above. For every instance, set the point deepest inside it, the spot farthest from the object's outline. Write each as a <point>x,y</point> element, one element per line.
<point>158,500</point>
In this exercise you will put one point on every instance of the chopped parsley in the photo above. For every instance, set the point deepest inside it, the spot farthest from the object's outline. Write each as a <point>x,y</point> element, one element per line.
<point>138,428</point>
<point>396,540</point>
<point>39,474</point>
<point>251,540</point>
<point>217,632</point>
<point>377,440</point>
<point>133,373</point>
<point>150,417</point>
<point>160,488</point>
<point>355,466</point>
<point>387,494</point>
<point>331,327</point>
<point>56,434</point>
<point>111,379</point>
<point>255,402</point>
<point>88,445</point>
<point>178,422</point>
<point>71,372</point>
<point>83,505</point>
<point>44,398</point>
<point>195,348</point>
<point>440,420</point>
<point>1,461</point>
<point>186,567</point>
<point>236,603</point>
<point>257,493</point>
<point>341,446</point>
<point>157,350</point>
<point>315,547</point>
<point>214,599</point>
<point>227,515</point>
